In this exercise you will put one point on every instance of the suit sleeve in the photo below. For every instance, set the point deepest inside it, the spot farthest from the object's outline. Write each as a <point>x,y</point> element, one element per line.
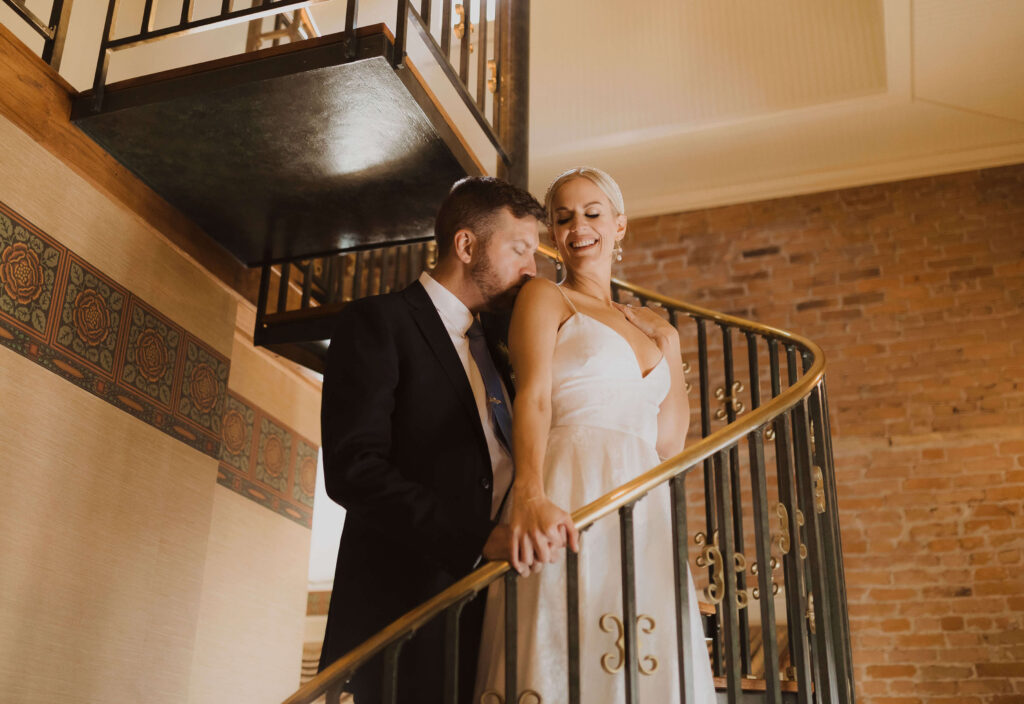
<point>358,401</point>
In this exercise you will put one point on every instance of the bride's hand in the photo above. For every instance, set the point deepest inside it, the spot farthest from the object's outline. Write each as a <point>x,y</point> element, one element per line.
<point>540,529</point>
<point>650,323</point>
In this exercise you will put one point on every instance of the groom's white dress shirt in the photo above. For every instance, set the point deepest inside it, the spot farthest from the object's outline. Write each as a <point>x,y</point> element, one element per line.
<point>457,318</point>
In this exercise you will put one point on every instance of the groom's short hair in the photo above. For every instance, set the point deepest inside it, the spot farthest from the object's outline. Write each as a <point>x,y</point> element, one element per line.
<point>472,204</point>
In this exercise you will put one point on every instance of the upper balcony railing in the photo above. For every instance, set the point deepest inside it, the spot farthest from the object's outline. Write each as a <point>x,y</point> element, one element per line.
<point>763,454</point>
<point>485,61</point>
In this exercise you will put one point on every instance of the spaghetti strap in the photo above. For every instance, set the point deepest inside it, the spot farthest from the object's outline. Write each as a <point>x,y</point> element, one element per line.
<point>559,287</point>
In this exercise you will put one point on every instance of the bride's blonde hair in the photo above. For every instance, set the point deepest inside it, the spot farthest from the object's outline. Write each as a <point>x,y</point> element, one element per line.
<point>599,178</point>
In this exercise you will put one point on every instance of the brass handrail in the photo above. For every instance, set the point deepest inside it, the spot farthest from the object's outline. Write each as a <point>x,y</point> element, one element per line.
<point>584,517</point>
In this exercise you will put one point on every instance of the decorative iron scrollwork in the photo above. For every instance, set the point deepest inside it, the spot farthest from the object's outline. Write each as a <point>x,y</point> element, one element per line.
<point>800,522</point>
<point>819,490</point>
<point>686,370</point>
<point>810,614</point>
<point>782,537</point>
<point>773,564</point>
<point>492,73</point>
<point>729,400</point>
<point>613,662</point>
<point>769,434</point>
<point>459,28</point>
<point>711,557</point>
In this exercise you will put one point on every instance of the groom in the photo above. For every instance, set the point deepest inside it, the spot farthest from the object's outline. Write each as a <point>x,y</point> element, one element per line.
<point>416,436</point>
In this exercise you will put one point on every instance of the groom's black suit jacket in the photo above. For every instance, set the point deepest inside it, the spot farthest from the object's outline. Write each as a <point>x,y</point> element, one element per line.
<point>405,454</point>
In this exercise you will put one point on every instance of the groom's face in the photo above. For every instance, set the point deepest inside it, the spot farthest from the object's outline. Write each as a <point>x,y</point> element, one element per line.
<point>506,260</point>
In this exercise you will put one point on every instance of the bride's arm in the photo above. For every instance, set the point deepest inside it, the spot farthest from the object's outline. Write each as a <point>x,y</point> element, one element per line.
<point>537,525</point>
<point>674,412</point>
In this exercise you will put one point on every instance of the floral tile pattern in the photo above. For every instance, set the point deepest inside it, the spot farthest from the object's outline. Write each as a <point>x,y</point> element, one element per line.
<point>151,354</point>
<point>62,313</point>
<point>91,317</point>
<point>30,265</point>
<point>304,485</point>
<point>203,386</point>
<point>273,455</point>
<point>236,430</point>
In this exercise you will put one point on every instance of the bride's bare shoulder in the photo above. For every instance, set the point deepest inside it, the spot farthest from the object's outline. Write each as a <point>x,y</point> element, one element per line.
<point>541,296</point>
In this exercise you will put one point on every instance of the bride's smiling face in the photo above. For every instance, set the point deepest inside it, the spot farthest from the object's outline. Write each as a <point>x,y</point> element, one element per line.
<point>584,224</point>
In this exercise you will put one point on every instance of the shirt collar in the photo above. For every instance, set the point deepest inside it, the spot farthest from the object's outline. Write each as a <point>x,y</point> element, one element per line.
<point>454,314</point>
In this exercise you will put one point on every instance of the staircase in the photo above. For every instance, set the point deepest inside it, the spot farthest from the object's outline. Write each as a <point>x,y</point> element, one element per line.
<point>321,161</point>
<point>762,454</point>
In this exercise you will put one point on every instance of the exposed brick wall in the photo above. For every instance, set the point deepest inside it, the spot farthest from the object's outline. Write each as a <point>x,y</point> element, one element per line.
<point>915,290</point>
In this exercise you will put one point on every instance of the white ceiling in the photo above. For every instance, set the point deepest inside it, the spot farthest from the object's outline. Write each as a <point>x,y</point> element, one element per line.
<point>698,103</point>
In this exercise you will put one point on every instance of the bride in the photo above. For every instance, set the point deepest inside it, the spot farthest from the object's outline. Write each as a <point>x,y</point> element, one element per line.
<point>600,397</point>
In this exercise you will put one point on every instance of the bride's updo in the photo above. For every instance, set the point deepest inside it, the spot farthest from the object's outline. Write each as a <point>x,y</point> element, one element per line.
<point>600,179</point>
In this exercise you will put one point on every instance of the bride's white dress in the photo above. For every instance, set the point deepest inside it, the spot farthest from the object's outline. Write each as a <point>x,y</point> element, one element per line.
<point>603,430</point>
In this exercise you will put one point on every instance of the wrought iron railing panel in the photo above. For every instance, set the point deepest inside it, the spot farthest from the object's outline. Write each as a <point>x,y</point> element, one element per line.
<point>478,83</point>
<point>760,447</point>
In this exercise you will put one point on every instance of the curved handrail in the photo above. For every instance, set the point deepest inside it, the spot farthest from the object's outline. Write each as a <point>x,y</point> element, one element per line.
<point>467,587</point>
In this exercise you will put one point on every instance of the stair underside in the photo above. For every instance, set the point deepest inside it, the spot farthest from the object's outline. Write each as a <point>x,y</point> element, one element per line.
<point>291,151</point>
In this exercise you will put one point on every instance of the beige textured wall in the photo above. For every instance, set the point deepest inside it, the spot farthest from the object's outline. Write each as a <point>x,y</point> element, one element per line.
<point>128,573</point>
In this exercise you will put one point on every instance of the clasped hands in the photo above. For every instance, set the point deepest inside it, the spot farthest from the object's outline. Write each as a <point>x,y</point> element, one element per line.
<point>536,534</point>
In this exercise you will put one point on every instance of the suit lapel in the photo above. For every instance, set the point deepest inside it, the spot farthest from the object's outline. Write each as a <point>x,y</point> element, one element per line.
<point>429,322</point>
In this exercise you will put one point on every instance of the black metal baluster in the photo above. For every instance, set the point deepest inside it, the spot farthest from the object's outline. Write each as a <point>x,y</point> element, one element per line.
<point>357,277</point>
<point>796,463</point>
<point>53,47</point>
<point>833,510</point>
<point>729,608</point>
<point>103,62</point>
<point>630,666</point>
<point>147,17</point>
<point>186,11</point>
<point>351,19</point>
<point>401,24</point>
<point>390,674</point>
<point>446,29</point>
<point>499,57</point>
<point>710,500</point>
<point>824,654</point>
<point>464,48</point>
<point>410,259</point>
<point>333,694</point>
<point>677,487</point>
<point>481,65</point>
<point>376,264</point>
<point>307,284</point>
<point>282,287</point>
<point>385,269</point>
<point>792,574</point>
<point>451,651</point>
<point>572,598</point>
<point>762,534</point>
<point>341,266</point>
<point>733,467</point>
<point>511,637</point>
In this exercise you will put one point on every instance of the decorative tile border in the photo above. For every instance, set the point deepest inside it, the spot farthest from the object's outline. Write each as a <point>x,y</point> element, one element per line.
<point>65,315</point>
<point>265,461</point>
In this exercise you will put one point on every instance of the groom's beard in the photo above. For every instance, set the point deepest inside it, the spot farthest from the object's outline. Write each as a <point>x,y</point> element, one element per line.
<point>498,295</point>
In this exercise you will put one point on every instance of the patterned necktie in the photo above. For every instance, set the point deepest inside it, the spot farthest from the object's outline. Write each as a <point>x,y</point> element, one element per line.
<point>501,419</point>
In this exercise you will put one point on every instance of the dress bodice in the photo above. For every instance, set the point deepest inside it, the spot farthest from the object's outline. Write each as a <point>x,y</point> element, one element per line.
<point>596,381</point>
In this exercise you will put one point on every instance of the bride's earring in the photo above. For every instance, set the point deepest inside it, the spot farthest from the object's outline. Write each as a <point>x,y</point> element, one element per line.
<point>617,251</point>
